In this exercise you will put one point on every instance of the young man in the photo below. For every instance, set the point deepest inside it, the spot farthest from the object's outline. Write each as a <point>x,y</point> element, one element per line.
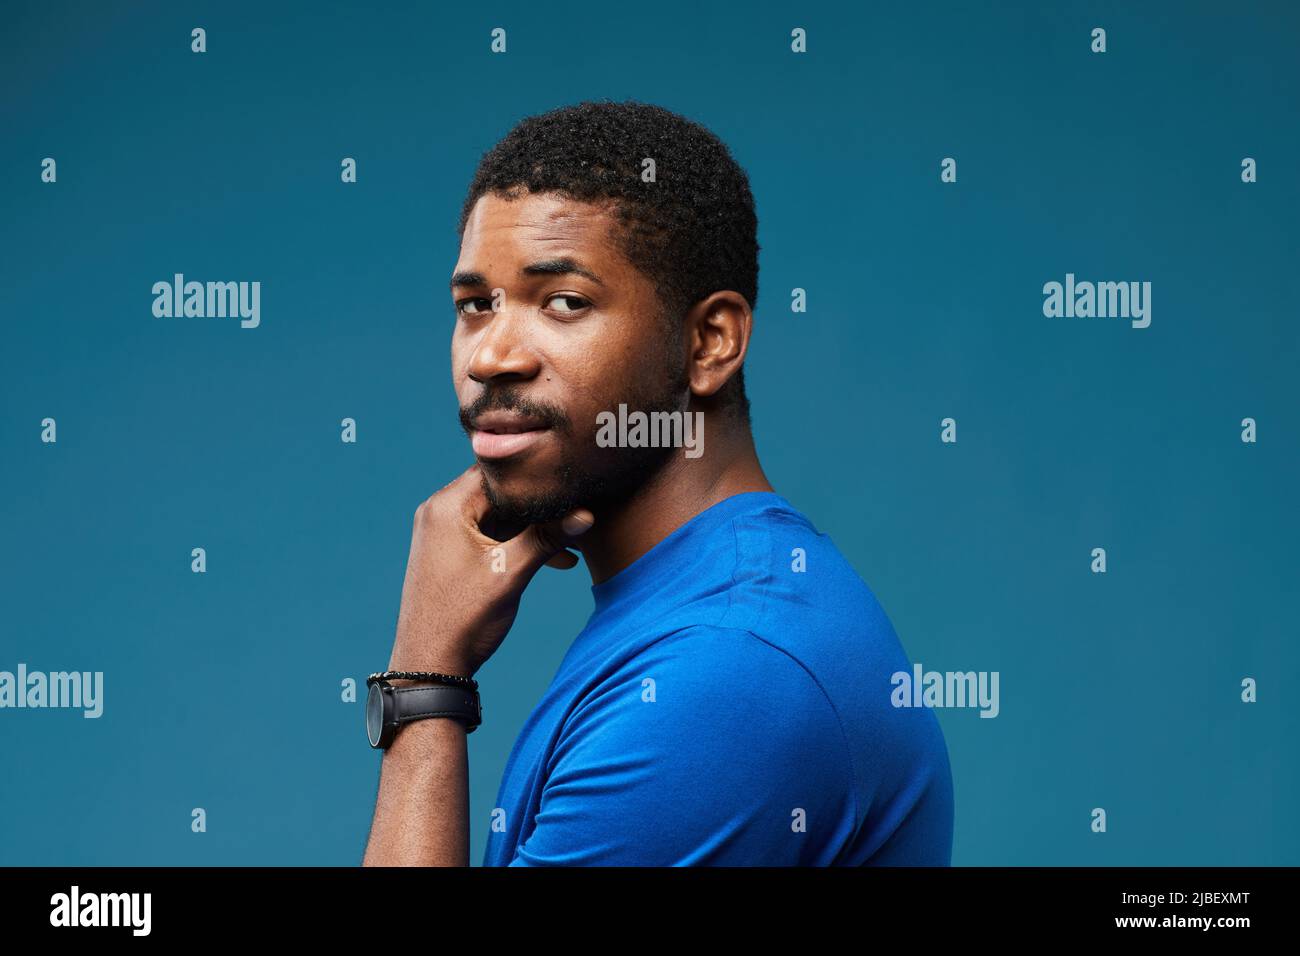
<point>729,700</point>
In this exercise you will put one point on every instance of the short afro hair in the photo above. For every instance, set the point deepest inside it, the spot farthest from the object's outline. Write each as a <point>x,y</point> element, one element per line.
<point>692,232</point>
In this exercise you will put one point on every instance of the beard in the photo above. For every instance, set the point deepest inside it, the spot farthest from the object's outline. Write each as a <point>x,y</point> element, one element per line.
<point>588,476</point>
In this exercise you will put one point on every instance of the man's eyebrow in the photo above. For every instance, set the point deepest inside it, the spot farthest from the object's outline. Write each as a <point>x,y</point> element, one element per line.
<point>546,267</point>
<point>557,267</point>
<point>467,278</point>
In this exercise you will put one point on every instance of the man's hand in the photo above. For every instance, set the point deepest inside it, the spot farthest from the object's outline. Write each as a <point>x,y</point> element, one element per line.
<point>462,587</point>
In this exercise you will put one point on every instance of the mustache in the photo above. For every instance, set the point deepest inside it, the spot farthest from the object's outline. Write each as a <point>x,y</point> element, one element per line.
<point>509,398</point>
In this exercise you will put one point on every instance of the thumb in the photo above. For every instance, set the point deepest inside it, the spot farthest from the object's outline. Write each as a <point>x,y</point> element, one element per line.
<point>546,543</point>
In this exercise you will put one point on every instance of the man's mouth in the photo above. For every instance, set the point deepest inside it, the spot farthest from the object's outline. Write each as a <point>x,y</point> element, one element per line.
<point>500,434</point>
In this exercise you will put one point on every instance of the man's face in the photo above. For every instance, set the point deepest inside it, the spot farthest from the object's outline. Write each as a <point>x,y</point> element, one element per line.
<point>576,331</point>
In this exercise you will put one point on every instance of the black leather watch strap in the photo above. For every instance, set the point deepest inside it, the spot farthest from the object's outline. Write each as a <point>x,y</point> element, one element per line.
<point>419,701</point>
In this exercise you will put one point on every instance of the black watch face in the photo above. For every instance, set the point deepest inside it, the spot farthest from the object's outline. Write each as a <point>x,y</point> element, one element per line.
<point>375,714</point>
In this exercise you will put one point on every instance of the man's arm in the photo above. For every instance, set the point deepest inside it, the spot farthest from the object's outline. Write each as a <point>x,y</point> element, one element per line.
<point>459,599</point>
<point>422,813</point>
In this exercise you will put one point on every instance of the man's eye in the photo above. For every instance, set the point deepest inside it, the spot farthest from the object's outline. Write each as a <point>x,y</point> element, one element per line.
<point>581,302</point>
<point>463,306</point>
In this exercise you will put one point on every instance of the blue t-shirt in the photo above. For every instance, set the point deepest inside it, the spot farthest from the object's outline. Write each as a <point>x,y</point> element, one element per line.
<point>729,704</point>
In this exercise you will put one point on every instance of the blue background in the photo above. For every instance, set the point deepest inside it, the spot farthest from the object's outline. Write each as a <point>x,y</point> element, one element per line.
<point>222,689</point>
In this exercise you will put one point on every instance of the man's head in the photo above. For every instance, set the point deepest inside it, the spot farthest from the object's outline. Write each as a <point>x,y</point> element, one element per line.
<point>584,282</point>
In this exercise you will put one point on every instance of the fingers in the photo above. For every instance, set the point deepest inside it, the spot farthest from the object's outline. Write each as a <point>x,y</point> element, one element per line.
<point>473,500</point>
<point>530,548</point>
<point>564,560</point>
<point>577,522</point>
<point>546,543</point>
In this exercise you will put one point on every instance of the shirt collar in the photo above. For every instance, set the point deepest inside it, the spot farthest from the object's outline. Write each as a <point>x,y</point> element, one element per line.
<point>644,573</point>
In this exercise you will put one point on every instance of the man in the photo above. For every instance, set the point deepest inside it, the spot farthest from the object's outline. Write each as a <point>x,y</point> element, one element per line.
<point>729,700</point>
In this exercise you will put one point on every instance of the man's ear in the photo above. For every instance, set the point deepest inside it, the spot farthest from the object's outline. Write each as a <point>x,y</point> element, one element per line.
<point>718,329</point>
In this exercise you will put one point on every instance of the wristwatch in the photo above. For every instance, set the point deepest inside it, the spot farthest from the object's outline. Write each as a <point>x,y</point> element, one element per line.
<point>389,707</point>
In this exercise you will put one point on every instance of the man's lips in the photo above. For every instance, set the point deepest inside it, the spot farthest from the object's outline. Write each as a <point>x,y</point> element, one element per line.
<point>500,434</point>
<point>503,445</point>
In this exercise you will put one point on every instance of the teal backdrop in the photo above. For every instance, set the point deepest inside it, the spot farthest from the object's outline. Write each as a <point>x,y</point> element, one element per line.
<point>222,690</point>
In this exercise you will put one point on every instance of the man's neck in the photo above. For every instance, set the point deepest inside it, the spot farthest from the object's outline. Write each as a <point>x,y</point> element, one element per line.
<point>681,490</point>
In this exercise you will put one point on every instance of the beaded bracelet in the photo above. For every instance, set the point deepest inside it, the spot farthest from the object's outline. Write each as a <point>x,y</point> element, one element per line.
<point>424,675</point>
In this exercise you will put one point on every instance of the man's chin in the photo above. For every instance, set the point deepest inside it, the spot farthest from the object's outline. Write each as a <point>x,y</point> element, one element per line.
<point>516,505</point>
<point>520,497</point>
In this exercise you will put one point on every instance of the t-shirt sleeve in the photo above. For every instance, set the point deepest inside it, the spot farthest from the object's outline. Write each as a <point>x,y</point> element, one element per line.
<point>709,747</point>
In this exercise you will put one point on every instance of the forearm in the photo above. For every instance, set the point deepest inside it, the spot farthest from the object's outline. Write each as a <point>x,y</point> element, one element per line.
<point>422,811</point>
<point>458,604</point>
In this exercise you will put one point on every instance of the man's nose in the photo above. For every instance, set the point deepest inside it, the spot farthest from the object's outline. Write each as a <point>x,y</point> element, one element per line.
<point>503,351</point>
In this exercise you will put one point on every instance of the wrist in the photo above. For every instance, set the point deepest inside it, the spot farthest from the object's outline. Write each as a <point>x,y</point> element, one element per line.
<point>440,660</point>
<point>398,700</point>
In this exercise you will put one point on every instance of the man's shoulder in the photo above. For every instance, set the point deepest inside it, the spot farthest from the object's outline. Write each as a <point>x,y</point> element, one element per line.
<point>707,655</point>
<point>791,585</point>
<point>717,678</point>
<point>712,740</point>
<point>777,539</point>
<point>706,695</point>
<point>794,590</point>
